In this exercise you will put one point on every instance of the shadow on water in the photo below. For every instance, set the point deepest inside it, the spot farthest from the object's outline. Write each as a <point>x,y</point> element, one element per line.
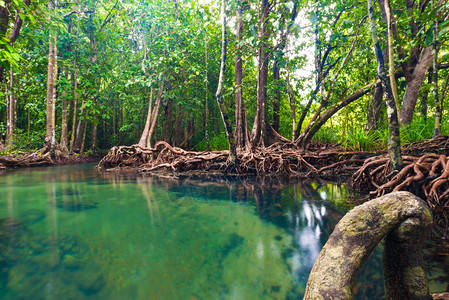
<point>74,233</point>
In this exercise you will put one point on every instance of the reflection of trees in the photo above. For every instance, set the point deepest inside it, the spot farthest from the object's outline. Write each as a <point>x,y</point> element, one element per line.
<point>296,205</point>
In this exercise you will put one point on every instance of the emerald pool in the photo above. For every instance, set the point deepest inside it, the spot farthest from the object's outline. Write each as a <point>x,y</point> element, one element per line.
<point>72,232</point>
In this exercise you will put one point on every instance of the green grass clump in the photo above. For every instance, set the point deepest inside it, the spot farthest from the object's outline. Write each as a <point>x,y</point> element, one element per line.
<point>359,139</point>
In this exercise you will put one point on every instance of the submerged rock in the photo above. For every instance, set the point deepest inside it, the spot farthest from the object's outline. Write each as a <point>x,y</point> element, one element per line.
<point>33,216</point>
<point>89,279</point>
<point>72,204</point>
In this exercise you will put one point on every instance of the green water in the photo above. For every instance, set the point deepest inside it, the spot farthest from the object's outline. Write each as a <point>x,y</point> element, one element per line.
<point>74,233</point>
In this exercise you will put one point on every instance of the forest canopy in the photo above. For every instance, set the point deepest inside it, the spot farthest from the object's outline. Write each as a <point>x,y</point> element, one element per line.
<point>90,75</point>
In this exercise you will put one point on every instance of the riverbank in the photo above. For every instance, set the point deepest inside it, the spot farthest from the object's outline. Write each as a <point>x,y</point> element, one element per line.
<point>35,159</point>
<point>425,172</point>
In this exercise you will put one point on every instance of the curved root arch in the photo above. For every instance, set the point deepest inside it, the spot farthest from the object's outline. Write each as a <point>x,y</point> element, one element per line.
<point>405,220</point>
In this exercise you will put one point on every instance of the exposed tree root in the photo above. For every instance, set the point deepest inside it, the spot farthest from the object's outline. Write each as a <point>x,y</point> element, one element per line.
<point>42,157</point>
<point>425,172</point>
<point>279,159</point>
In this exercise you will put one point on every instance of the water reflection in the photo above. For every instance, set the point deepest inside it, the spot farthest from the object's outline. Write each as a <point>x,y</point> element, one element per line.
<point>91,235</point>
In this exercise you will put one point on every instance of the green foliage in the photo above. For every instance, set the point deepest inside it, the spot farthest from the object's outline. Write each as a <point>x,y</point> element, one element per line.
<point>121,50</point>
<point>327,134</point>
<point>418,130</point>
<point>216,142</point>
<point>359,139</point>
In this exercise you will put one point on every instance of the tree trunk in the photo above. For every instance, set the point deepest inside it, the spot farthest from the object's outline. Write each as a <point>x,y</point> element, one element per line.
<point>291,101</point>
<point>206,102</point>
<point>437,130</point>
<point>14,29</point>
<point>50,136</point>
<point>11,110</point>
<point>390,53</point>
<point>64,114</point>
<point>93,146</point>
<point>75,100</point>
<point>277,94</point>
<point>394,140</point>
<point>313,127</point>
<point>241,126</point>
<point>260,127</point>
<point>79,129</point>
<point>168,125</point>
<point>219,94</point>
<point>375,107</point>
<point>414,85</point>
<point>83,140</point>
<point>150,124</point>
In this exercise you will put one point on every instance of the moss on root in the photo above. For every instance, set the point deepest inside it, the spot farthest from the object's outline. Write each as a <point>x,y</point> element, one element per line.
<point>401,217</point>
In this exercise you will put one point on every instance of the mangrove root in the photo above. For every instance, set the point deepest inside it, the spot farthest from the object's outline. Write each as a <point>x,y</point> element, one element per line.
<point>405,220</point>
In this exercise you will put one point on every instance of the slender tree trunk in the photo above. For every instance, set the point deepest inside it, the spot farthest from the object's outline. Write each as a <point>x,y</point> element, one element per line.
<point>93,146</point>
<point>259,127</point>
<point>64,115</point>
<point>277,94</point>
<point>390,54</point>
<point>318,78</point>
<point>241,126</point>
<point>291,101</point>
<point>75,100</point>
<point>83,140</point>
<point>11,109</point>
<point>313,127</point>
<point>168,126</point>
<point>437,130</point>
<point>79,131</point>
<point>206,102</point>
<point>50,137</point>
<point>394,141</point>
<point>29,124</point>
<point>219,94</point>
<point>424,100</point>
<point>374,108</point>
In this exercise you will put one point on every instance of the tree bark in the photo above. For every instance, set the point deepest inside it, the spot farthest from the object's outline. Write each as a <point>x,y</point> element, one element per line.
<point>262,132</point>
<point>241,125</point>
<point>150,124</point>
<point>64,114</point>
<point>307,135</point>
<point>50,136</point>
<point>79,130</point>
<point>93,145</point>
<point>394,140</point>
<point>75,100</point>
<point>437,130</point>
<point>390,53</point>
<point>219,94</point>
<point>291,101</point>
<point>375,107</point>
<point>414,85</point>
<point>11,110</point>
<point>206,102</point>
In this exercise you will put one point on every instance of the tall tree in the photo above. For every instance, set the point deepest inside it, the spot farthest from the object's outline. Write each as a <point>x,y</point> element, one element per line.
<point>438,113</point>
<point>241,125</point>
<point>219,94</point>
<point>153,112</point>
<point>52,73</point>
<point>394,140</point>
<point>11,109</point>
<point>262,132</point>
